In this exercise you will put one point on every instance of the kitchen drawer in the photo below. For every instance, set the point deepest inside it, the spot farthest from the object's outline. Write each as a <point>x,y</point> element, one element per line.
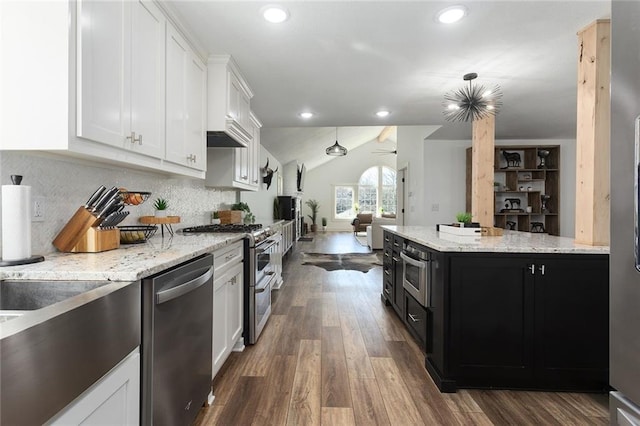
<point>225,257</point>
<point>387,256</point>
<point>416,319</point>
<point>397,243</point>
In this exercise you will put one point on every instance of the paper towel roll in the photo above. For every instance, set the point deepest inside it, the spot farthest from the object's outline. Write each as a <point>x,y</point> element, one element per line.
<point>16,222</point>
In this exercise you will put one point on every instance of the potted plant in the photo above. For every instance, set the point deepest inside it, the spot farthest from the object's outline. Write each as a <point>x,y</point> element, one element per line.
<point>463,219</point>
<point>244,209</point>
<point>160,204</point>
<point>324,224</point>
<point>314,206</point>
<point>215,218</point>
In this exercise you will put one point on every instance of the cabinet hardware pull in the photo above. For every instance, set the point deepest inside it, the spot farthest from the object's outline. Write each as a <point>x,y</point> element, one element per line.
<point>414,318</point>
<point>139,140</point>
<point>396,244</point>
<point>386,255</point>
<point>244,177</point>
<point>386,271</point>
<point>395,259</point>
<point>541,269</point>
<point>132,137</point>
<point>229,257</point>
<point>386,290</point>
<point>532,267</point>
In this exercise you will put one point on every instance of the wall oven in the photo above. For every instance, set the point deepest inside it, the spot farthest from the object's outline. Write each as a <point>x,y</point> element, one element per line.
<point>415,273</point>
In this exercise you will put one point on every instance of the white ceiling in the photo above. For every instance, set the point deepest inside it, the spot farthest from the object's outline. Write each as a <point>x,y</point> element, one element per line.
<point>344,60</point>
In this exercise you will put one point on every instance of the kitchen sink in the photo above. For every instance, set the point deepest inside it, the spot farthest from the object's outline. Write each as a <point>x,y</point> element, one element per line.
<point>18,297</point>
<point>30,295</point>
<point>57,338</point>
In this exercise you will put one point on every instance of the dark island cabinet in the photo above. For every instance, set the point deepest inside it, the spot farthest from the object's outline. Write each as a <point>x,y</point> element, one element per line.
<point>500,320</point>
<point>392,290</point>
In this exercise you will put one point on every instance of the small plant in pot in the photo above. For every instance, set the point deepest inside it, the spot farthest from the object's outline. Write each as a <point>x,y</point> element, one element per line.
<point>324,224</point>
<point>161,205</point>
<point>215,218</point>
<point>464,221</point>
<point>314,206</point>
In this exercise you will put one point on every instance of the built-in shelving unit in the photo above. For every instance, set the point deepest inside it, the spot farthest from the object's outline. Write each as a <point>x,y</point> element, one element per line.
<point>527,191</point>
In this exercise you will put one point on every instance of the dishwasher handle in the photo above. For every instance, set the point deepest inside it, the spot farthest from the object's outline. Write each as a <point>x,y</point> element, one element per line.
<point>182,289</point>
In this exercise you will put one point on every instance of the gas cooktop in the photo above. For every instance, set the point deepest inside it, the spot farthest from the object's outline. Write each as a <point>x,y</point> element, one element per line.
<point>229,228</point>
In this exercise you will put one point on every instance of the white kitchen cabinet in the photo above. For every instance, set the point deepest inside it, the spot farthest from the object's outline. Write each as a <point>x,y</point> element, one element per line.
<point>114,399</point>
<point>121,63</point>
<point>228,303</point>
<point>92,74</point>
<point>229,98</point>
<point>287,236</point>
<point>236,167</point>
<point>185,103</point>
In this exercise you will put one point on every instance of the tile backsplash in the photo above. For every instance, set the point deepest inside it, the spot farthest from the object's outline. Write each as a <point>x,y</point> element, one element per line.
<point>66,183</point>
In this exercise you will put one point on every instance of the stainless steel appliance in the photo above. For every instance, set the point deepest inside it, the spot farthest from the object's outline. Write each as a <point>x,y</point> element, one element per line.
<point>415,272</point>
<point>259,272</point>
<point>624,325</point>
<point>176,342</point>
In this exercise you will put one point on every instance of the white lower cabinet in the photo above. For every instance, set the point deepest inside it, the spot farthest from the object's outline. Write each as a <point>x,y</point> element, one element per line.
<point>228,303</point>
<point>112,400</point>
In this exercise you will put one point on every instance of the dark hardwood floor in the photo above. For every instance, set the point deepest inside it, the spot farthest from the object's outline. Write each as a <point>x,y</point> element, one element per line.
<point>333,354</point>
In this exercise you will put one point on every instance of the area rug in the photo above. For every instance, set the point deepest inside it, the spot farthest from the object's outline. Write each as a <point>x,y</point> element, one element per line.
<point>305,239</point>
<point>362,262</point>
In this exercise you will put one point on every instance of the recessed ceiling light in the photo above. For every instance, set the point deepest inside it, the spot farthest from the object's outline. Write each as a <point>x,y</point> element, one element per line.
<point>275,14</point>
<point>382,113</point>
<point>451,14</point>
<point>306,114</point>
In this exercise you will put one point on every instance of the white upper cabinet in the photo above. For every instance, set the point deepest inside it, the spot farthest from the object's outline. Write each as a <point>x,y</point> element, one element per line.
<point>254,156</point>
<point>236,167</point>
<point>90,81</point>
<point>229,99</point>
<point>121,75</point>
<point>185,106</point>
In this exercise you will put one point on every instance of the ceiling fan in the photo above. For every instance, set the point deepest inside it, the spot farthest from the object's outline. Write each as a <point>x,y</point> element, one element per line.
<point>384,152</point>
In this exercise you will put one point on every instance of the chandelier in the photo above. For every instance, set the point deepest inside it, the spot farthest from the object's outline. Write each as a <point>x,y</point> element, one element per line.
<point>473,102</point>
<point>336,149</point>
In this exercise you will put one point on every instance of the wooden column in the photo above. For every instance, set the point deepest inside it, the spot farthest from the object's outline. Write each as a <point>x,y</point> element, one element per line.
<point>482,159</point>
<point>592,134</point>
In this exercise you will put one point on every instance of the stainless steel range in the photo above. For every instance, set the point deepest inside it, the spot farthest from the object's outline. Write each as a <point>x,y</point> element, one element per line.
<point>259,249</point>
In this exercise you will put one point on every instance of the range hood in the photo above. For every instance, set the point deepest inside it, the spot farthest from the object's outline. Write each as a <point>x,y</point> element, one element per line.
<point>222,139</point>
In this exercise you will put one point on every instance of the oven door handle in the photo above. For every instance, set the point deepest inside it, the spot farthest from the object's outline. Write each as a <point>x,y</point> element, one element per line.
<point>422,264</point>
<point>262,249</point>
<point>182,289</point>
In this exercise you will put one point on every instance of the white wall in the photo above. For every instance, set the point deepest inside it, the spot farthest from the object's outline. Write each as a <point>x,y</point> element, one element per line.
<point>320,181</point>
<point>411,151</point>
<point>66,183</point>
<point>261,202</point>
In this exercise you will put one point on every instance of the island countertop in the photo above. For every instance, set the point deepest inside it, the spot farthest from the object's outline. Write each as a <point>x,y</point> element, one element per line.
<point>128,263</point>
<point>510,242</point>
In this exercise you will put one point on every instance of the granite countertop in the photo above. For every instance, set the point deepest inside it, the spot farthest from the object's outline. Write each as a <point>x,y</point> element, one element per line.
<point>130,262</point>
<point>510,242</point>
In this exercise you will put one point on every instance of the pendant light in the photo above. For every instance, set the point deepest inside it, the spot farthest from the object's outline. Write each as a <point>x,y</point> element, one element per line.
<point>473,102</point>
<point>336,149</point>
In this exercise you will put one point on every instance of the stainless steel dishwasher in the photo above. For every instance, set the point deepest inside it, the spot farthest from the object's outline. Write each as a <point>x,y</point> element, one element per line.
<point>176,342</point>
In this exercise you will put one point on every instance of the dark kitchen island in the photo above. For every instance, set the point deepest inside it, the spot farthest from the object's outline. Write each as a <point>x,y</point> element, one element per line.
<point>519,311</point>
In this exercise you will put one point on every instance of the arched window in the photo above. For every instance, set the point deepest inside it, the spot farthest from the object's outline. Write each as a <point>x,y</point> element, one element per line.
<point>375,193</point>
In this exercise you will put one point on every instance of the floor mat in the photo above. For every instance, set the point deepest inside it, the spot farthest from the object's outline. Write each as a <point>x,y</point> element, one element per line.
<point>305,239</point>
<point>362,262</point>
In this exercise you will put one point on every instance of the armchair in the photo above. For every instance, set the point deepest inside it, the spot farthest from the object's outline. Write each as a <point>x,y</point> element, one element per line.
<point>361,222</point>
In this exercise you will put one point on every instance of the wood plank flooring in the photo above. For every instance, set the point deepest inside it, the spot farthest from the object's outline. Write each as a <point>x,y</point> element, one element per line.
<point>333,354</point>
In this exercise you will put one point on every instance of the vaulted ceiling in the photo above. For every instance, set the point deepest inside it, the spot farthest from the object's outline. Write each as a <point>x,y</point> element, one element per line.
<point>344,60</point>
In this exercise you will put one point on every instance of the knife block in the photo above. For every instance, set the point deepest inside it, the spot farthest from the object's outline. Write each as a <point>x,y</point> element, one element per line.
<point>81,235</point>
<point>95,240</point>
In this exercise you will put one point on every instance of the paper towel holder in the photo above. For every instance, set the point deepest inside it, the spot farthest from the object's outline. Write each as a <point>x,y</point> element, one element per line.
<point>17,180</point>
<point>33,259</point>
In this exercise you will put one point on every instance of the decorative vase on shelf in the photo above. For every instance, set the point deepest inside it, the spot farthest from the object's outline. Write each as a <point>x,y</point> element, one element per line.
<point>161,213</point>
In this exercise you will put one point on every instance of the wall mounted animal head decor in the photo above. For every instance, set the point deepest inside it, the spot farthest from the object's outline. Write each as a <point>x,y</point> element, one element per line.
<point>268,174</point>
